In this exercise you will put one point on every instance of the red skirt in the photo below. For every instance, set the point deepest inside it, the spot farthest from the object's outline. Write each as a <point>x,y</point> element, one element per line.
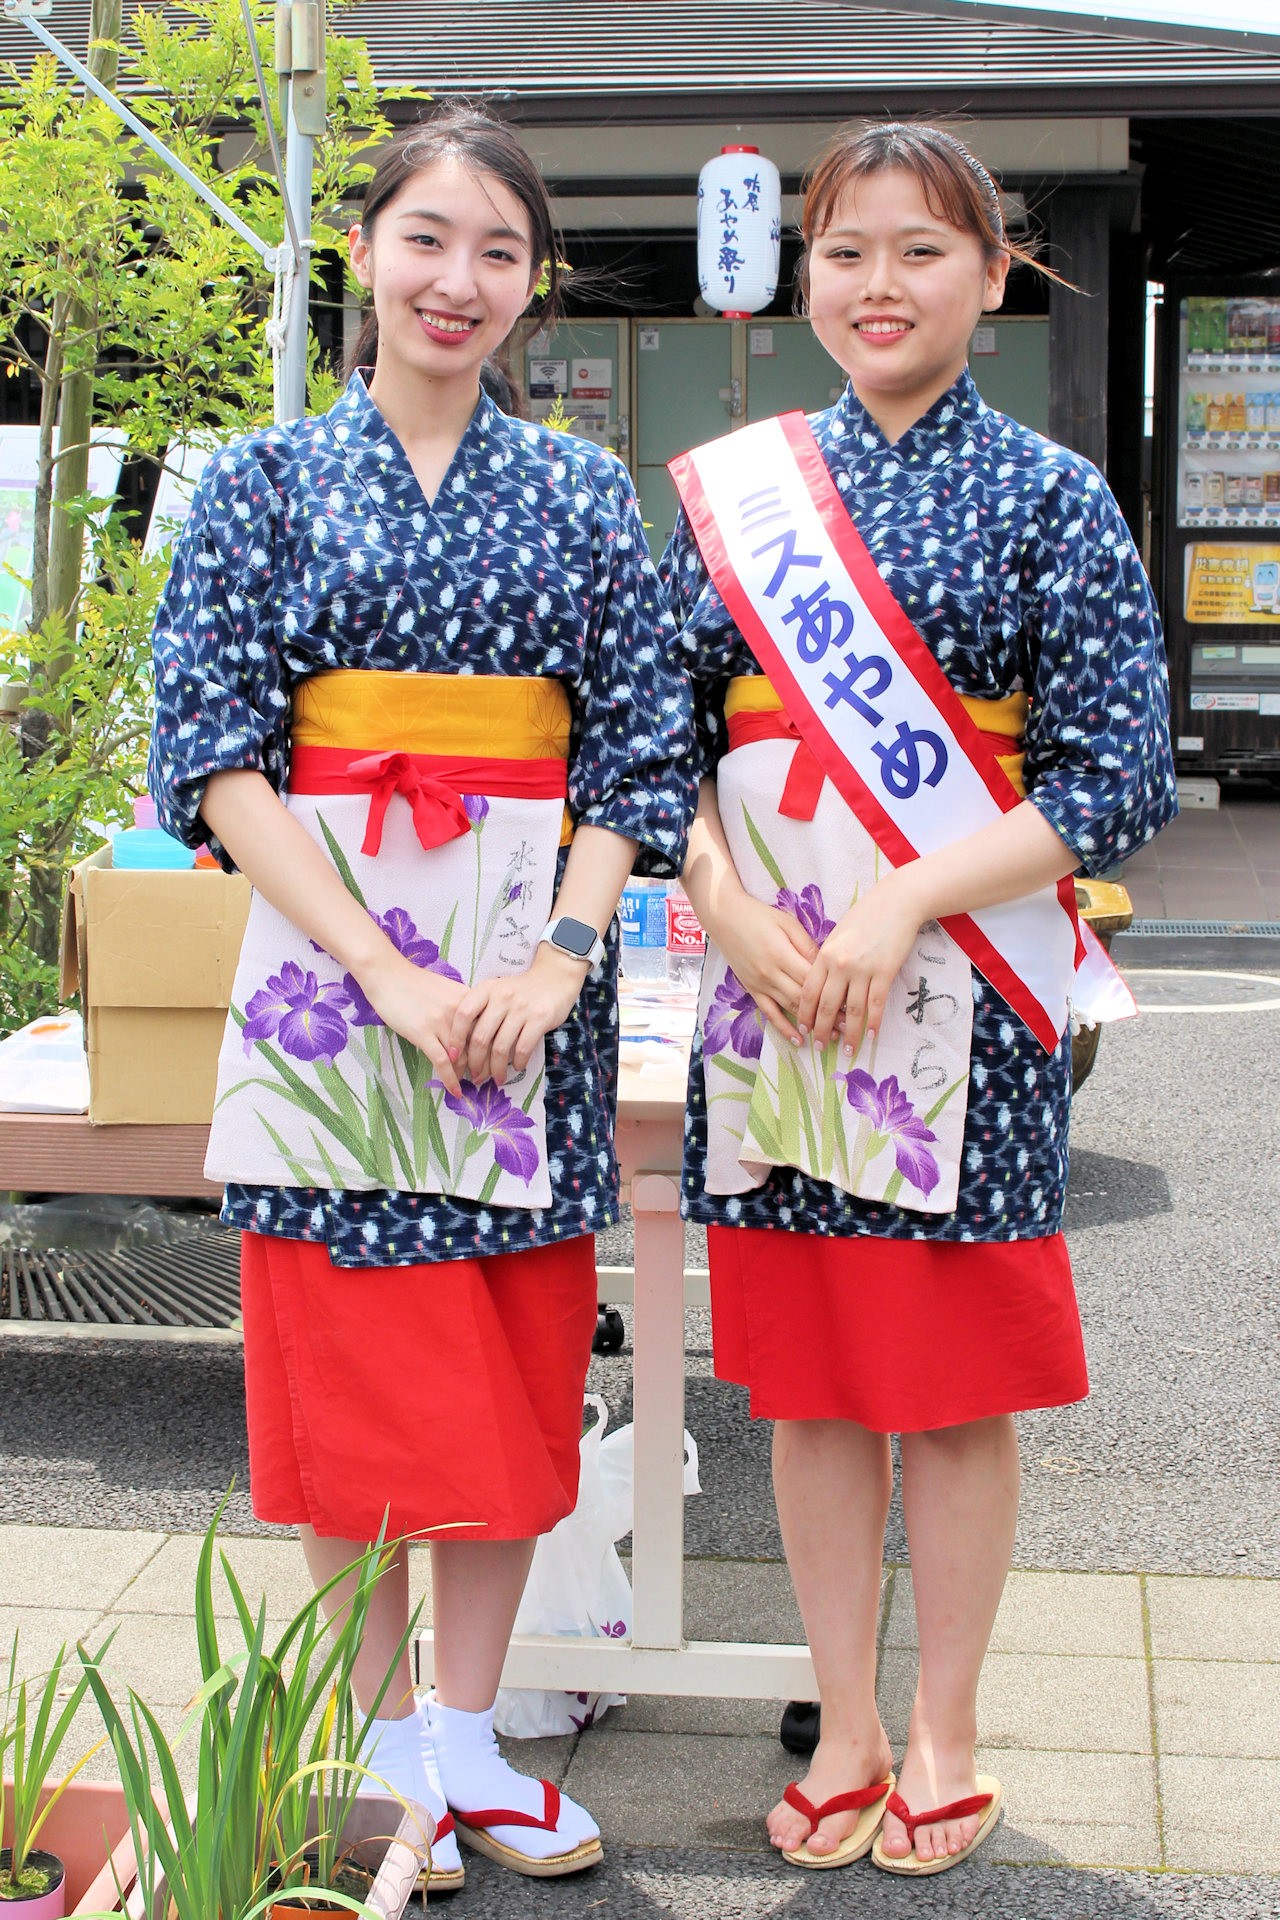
<point>898,1335</point>
<point>432,1394</point>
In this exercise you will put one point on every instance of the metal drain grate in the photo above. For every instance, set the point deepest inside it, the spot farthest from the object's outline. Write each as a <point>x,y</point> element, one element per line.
<point>192,1281</point>
<point>1250,929</point>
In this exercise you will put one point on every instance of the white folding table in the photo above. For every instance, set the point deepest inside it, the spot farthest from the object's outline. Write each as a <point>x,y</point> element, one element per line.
<point>657,1658</point>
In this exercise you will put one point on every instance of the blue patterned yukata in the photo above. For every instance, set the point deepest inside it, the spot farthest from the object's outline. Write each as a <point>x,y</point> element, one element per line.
<point>1012,560</point>
<point>311,547</point>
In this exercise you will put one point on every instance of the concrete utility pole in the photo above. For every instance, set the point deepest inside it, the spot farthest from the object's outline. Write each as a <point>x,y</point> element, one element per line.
<point>300,37</point>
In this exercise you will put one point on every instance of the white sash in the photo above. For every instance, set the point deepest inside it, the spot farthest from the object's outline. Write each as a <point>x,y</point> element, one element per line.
<point>314,1091</point>
<point>865,692</point>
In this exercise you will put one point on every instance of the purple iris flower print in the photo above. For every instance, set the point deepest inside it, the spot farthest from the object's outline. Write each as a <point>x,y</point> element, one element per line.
<point>733,1022</point>
<point>405,938</point>
<point>892,1114</point>
<point>477,807</point>
<point>489,1110</point>
<point>808,908</point>
<point>306,1018</point>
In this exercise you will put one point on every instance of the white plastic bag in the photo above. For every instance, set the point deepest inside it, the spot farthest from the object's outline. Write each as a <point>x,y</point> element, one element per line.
<point>43,1067</point>
<point>576,1584</point>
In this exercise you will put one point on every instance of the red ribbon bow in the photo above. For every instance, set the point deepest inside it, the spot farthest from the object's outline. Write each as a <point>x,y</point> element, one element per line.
<point>805,776</point>
<point>438,812</point>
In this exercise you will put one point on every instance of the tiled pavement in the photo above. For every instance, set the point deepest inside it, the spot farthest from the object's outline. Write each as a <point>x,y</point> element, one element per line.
<point>1113,1705</point>
<point>1134,1718</point>
<point>1213,864</point>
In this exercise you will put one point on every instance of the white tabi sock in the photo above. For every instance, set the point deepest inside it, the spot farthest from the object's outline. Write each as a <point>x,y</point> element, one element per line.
<point>475,1777</point>
<point>400,1752</point>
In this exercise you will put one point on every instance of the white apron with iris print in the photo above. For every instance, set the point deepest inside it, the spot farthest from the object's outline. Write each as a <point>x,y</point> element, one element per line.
<point>313,1090</point>
<point>887,1125</point>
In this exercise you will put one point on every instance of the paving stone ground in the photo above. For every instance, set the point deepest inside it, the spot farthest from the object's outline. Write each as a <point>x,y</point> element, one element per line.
<point>1131,1702</point>
<point>1113,1707</point>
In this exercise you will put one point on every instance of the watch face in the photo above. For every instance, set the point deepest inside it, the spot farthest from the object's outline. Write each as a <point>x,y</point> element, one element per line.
<point>575,937</point>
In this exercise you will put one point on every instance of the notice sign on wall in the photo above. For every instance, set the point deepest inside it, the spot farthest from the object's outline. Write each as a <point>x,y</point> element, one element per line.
<point>1233,585</point>
<point>547,378</point>
<point>592,379</point>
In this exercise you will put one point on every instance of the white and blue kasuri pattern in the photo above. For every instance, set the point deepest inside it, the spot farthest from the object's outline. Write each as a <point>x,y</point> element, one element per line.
<point>311,546</point>
<point>1012,559</point>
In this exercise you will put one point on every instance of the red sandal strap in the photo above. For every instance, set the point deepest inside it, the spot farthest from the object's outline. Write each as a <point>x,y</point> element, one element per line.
<point>444,1825</point>
<point>958,1810</point>
<point>508,1817</point>
<point>850,1802</point>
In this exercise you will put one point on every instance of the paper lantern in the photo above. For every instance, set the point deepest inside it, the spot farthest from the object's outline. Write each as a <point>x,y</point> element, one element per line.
<point>739,231</point>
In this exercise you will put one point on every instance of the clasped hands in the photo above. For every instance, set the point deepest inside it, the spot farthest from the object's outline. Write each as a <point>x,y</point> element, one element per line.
<point>801,987</point>
<point>806,988</point>
<point>478,1033</point>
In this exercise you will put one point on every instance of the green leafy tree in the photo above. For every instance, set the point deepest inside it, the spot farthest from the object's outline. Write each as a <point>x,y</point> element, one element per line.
<point>139,313</point>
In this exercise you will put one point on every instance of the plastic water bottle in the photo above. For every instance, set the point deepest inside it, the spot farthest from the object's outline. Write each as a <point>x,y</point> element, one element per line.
<point>145,845</point>
<point>642,916</point>
<point>686,942</point>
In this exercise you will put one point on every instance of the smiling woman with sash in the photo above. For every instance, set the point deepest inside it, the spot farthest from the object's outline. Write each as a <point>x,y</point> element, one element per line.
<point>413,679</point>
<point>931,687</point>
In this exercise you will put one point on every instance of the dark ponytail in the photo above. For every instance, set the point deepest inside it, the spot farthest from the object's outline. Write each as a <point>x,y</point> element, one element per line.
<point>483,145</point>
<point>363,351</point>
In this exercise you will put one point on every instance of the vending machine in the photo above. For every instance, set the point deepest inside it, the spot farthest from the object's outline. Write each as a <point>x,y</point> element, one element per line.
<point>1216,556</point>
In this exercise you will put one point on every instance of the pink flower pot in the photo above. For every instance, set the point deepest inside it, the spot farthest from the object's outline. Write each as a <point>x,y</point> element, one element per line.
<point>89,1831</point>
<point>42,1906</point>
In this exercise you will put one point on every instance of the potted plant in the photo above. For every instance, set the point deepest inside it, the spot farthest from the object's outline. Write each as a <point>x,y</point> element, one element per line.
<point>274,1812</point>
<point>32,1735</point>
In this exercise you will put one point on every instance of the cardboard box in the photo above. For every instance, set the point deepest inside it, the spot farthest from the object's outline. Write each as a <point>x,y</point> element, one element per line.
<point>153,956</point>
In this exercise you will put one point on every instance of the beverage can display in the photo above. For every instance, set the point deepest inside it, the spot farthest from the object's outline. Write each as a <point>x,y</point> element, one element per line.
<point>1215,490</point>
<point>1239,319</point>
<point>1273,412</point>
<point>1258,313</point>
<point>1197,412</point>
<point>1253,493</point>
<point>1255,411</point>
<point>1271,491</point>
<point>1237,414</point>
<point>1233,491</point>
<point>1193,493</point>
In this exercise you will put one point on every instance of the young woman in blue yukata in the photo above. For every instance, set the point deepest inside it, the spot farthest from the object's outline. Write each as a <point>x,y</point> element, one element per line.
<point>876,1139</point>
<point>437,630</point>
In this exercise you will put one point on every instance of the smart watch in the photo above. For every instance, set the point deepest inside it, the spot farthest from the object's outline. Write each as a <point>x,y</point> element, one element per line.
<point>574,937</point>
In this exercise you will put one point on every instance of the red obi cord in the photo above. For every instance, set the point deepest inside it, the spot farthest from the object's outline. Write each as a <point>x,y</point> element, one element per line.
<point>434,785</point>
<point>805,777</point>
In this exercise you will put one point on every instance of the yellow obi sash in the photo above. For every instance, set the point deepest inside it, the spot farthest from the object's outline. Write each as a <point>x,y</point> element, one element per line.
<point>754,711</point>
<point>431,734</point>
